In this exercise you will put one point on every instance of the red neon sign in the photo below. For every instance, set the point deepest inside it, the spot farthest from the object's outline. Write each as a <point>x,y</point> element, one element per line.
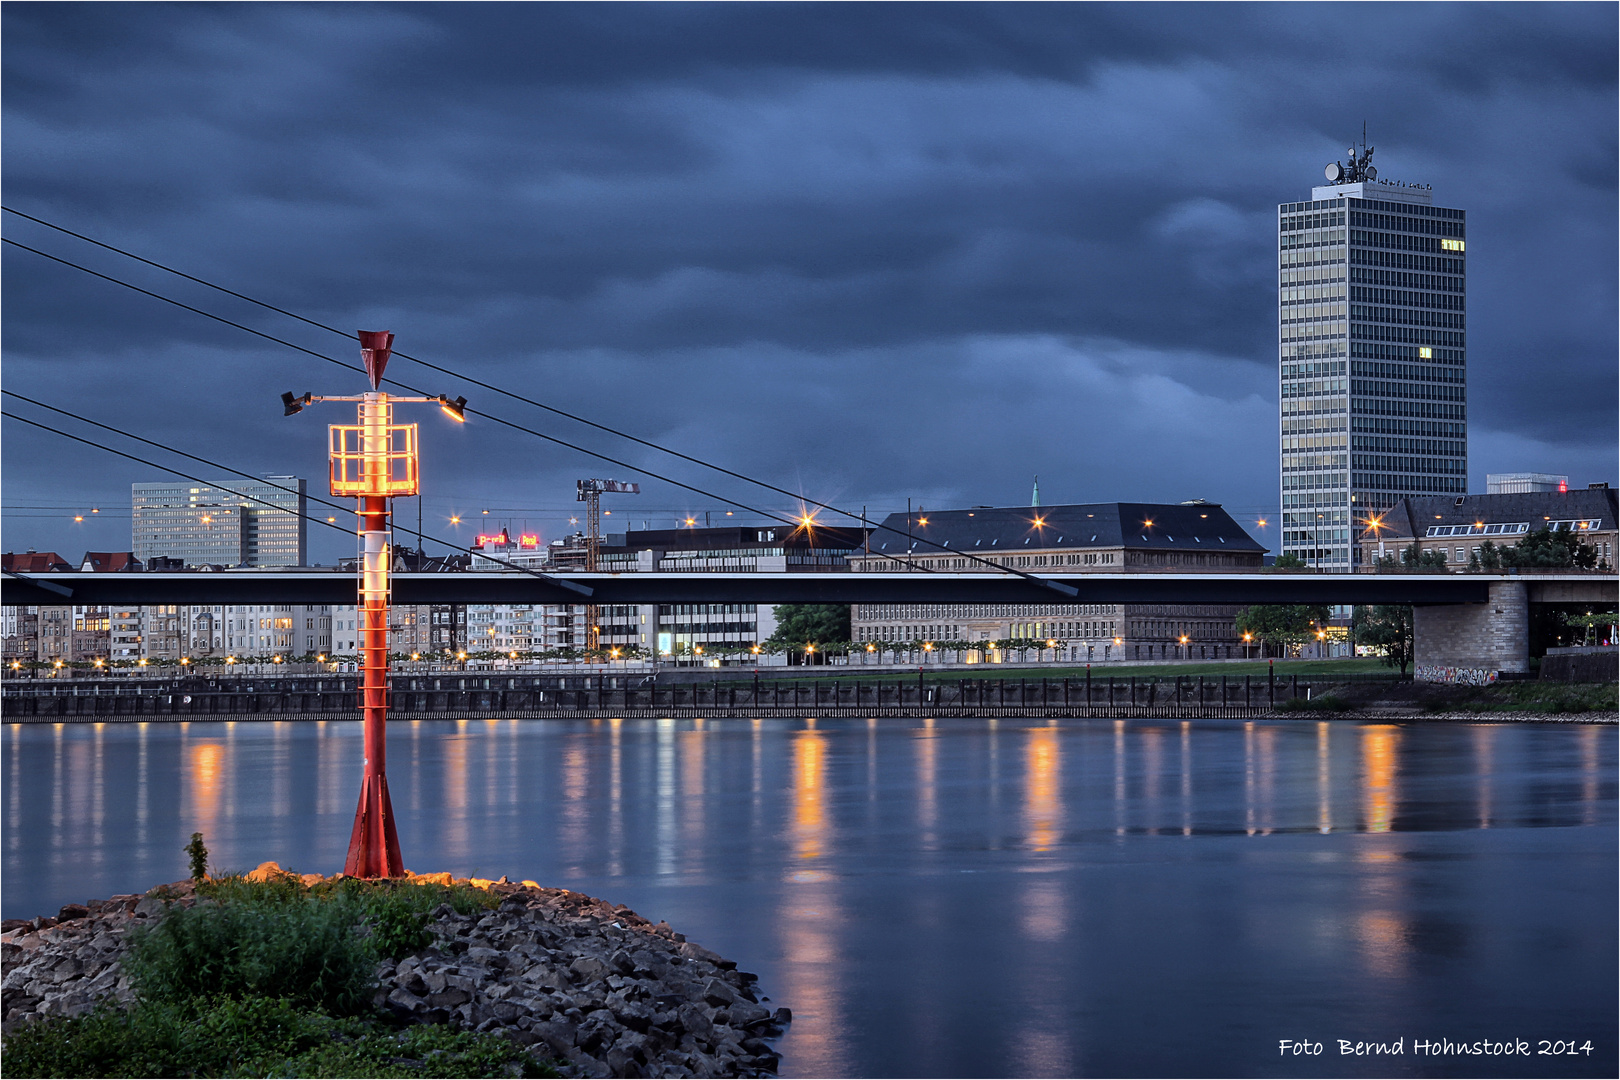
<point>529,540</point>
<point>499,539</point>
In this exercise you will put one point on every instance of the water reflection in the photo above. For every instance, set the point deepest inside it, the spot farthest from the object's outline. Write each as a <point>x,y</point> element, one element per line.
<point>811,914</point>
<point>1483,738</point>
<point>693,768</point>
<point>202,793</point>
<point>1382,929</point>
<point>1591,772</point>
<point>575,833</point>
<point>1324,778</point>
<point>1119,778</point>
<point>1186,778</point>
<point>665,793</point>
<point>1041,805</point>
<point>927,785</point>
<point>1379,744</point>
<point>1152,753</point>
<point>615,793</point>
<point>809,814</point>
<point>1041,1044</point>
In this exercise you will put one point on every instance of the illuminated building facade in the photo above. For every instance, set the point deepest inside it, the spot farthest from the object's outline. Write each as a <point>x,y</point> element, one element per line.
<point>1372,378</point>
<point>225,523</point>
<point>1084,538</point>
<point>680,631</point>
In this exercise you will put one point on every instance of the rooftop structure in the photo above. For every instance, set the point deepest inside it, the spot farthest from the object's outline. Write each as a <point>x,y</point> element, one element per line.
<point>1519,482</point>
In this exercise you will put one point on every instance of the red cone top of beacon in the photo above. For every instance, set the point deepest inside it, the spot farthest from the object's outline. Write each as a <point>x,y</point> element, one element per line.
<point>375,348</point>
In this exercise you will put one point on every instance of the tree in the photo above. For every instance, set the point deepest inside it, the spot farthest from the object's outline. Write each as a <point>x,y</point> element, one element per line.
<point>1289,561</point>
<point>1282,624</point>
<point>1545,548</point>
<point>798,624</point>
<point>1413,558</point>
<point>1594,626</point>
<point>1387,628</point>
<point>1490,556</point>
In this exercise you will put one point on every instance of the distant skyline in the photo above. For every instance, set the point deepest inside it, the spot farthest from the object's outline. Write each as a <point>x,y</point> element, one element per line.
<point>870,252</point>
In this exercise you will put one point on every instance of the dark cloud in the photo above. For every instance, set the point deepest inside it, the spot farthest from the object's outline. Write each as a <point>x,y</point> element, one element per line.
<point>871,251</point>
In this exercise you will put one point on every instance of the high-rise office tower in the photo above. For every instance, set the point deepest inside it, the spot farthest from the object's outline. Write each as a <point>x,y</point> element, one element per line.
<point>228,522</point>
<point>1373,389</point>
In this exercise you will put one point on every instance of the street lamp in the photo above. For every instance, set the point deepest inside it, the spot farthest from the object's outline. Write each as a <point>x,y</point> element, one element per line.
<point>375,461</point>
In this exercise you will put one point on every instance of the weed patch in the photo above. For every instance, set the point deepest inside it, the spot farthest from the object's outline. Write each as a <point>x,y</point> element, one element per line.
<point>253,1036</point>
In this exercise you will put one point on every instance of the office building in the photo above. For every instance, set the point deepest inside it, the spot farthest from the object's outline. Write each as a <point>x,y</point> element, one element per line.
<point>1373,402</point>
<point>225,523</point>
<point>1106,538</point>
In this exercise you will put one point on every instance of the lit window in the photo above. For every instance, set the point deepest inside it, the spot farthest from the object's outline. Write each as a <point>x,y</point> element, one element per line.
<point>1451,245</point>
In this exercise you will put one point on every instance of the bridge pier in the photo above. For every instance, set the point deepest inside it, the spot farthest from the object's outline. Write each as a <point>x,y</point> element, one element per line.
<point>1473,643</point>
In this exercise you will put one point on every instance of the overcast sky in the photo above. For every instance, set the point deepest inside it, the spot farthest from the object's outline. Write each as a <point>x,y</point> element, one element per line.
<point>866,252</point>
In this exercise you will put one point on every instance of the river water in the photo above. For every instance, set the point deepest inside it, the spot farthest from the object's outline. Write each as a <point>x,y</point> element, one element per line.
<point>959,897</point>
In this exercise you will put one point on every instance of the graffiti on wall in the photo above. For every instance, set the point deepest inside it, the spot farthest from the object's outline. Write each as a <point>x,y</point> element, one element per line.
<point>1465,676</point>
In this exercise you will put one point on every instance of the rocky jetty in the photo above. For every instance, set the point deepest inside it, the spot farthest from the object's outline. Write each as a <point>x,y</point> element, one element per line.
<point>589,985</point>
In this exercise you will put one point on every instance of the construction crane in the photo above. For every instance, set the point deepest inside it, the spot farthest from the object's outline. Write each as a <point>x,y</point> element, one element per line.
<point>590,493</point>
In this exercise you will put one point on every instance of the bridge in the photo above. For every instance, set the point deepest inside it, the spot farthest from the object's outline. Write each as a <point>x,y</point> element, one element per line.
<point>1469,627</point>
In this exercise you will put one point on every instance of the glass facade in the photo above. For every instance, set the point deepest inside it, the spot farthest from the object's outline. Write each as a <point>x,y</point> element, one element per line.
<point>226,523</point>
<point>1372,385</point>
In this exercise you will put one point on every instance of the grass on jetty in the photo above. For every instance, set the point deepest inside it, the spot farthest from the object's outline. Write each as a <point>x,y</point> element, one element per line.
<point>271,978</point>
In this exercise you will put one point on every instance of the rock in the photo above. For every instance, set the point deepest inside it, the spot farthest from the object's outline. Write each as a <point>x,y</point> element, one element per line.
<point>588,967</point>
<point>718,993</point>
<point>265,871</point>
<point>435,879</point>
<point>696,1022</point>
<point>150,907</point>
<point>405,1001</point>
<point>72,911</point>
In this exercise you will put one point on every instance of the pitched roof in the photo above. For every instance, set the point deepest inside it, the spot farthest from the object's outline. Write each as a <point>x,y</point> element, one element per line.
<point>986,530</point>
<point>1413,517</point>
<point>109,562</point>
<point>36,562</point>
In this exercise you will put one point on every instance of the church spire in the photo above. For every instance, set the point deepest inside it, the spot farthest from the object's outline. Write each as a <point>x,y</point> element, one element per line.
<point>1035,496</point>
